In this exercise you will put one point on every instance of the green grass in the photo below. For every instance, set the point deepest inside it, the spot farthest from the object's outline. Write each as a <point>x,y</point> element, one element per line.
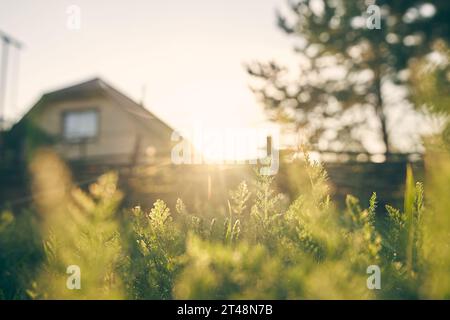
<point>262,248</point>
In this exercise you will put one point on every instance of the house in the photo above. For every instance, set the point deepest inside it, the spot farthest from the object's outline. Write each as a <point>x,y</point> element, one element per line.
<point>94,123</point>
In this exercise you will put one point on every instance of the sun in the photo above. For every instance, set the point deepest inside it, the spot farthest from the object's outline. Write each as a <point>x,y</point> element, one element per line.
<point>218,117</point>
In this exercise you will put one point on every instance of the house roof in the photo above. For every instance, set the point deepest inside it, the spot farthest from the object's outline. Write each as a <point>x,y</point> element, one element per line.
<point>97,86</point>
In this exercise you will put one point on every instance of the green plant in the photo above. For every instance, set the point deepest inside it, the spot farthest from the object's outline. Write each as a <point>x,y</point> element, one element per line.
<point>263,247</point>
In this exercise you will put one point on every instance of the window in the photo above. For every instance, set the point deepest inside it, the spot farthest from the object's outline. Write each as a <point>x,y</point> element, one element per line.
<point>79,125</point>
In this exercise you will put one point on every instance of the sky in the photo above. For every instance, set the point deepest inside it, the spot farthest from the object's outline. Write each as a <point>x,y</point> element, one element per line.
<point>184,59</point>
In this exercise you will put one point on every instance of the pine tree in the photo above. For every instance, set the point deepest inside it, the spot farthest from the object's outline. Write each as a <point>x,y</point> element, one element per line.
<point>347,61</point>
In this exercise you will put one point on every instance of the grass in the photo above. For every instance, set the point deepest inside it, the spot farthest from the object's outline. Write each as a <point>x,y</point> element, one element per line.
<point>262,248</point>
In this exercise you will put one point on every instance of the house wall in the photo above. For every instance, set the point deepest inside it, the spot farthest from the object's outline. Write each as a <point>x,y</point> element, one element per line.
<point>119,132</point>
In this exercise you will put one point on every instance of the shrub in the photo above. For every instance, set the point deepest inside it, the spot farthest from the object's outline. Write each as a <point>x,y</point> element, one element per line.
<point>263,247</point>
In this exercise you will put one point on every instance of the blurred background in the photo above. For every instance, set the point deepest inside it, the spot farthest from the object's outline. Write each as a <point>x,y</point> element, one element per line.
<point>106,84</point>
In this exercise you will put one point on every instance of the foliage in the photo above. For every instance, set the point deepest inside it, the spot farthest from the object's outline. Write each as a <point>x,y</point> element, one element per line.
<point>430,83</point>
<point>346,67</point>
<point>20,143</point>
<point>155,251</point>
<point>263,247</point>
<point>80,229</point>
<point>21,253</point>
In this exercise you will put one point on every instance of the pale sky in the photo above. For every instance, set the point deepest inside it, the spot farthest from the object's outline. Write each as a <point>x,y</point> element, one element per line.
<point>189,55</point>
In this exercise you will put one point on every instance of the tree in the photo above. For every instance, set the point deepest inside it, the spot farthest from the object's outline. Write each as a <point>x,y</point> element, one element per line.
<point>349,52</point>
<point>430,83</point>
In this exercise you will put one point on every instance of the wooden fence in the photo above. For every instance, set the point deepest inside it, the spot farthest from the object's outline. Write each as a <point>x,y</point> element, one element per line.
<point>200,184</point>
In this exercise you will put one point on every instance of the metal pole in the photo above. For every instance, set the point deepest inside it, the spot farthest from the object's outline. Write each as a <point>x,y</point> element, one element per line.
<point>7,41</point>
<point>3,78</point>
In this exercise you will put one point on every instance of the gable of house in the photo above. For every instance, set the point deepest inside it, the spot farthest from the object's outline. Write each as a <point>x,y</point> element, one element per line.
<point>92,121</point>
